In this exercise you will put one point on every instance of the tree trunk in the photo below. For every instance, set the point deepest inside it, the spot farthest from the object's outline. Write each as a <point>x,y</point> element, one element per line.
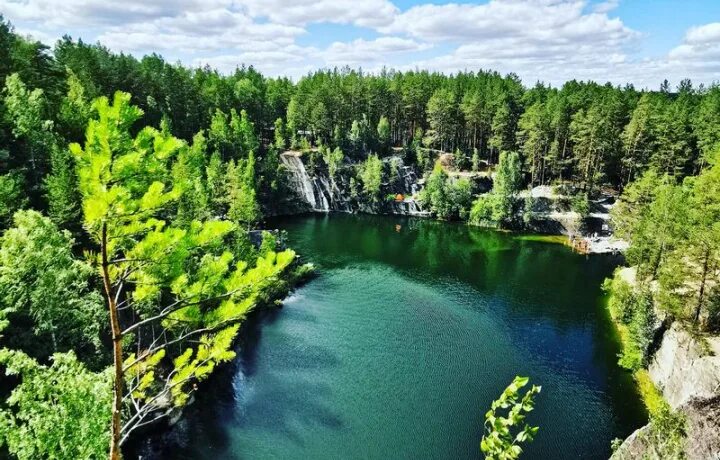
<point>698,307</point>
<point>115,426</point>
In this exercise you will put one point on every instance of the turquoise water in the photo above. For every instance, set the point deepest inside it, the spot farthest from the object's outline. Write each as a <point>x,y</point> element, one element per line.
<point>397,348</point>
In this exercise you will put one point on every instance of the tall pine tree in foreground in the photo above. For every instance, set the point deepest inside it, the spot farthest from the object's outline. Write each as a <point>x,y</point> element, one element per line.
<point>156,273</point>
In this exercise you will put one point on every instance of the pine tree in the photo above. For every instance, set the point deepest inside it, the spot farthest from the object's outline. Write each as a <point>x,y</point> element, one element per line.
<point>383,131</point>
<point>143,261</point>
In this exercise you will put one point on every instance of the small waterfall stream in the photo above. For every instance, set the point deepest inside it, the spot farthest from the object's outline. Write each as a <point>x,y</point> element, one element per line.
<point>324,194</point>
<point>302,182</point>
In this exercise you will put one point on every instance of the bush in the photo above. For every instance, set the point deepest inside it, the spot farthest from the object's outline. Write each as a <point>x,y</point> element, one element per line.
<point>668,433</point>
<point>482,210</point>
<point>633,308</point>
<point>580,204</point>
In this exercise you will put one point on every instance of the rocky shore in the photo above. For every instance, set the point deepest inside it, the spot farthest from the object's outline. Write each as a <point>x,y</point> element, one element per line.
<point>686,369</point>
<point>316,191</point>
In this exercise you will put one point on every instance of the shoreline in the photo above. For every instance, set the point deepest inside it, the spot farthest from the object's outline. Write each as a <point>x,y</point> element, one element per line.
<point>583,244</point>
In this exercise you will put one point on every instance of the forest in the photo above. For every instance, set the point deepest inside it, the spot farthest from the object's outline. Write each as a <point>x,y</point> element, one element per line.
<point>133,192</point>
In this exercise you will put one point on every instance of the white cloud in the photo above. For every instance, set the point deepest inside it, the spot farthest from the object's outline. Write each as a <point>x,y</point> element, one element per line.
<point>199,32</point>
<point>89,13</point>
<point>364,13</point>
<point>709,33</point>
<point>364,52</point>
<point>700,43</point>
<point>532,21</point>
<point>549,40</point>
<point>292,61</point>
<point>606,7</point>
<point>698,56</point>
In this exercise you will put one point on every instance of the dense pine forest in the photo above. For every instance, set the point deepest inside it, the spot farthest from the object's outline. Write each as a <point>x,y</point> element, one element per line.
<point>133,191</point>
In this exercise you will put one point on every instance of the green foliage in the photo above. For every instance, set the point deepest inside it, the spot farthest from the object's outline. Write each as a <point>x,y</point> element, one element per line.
<point>243,207</point>
<point>269,244</point>
<point>475,160</point>
<point>667,434</point>
<point>442,114</point>
<point>215,185</point>
<point>446,198</point>
<point>486,210</point>
<point>233,136</point>
<point>632,307</point>
<point>371,174</point>
<point>61,190</point>
<point>333,159</point>
<point>461,160</point>
<point>583,132</point>
<point>383,133</point>
<point>12,197</point>
<point>26,111</point>
<point>57,412</point>
<point>280,141</point>
<point>181,277</point>
<point>497,208</point>
<point>40,279</point>
<point>505,427</point>
<point>675,238</point>
<point>188,175</point>
<point>503,127</point>
<point>75,109</point>
<point>528,213</point>
<point>196,365</point>
<point>534,133</point>
<point>580,203</point>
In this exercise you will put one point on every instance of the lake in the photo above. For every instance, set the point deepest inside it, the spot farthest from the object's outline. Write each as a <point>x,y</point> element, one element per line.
<point>399,345</point>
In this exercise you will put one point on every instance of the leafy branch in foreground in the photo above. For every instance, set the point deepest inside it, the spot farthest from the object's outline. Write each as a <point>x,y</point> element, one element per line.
<point>499,442</point>
<point>159,273</point>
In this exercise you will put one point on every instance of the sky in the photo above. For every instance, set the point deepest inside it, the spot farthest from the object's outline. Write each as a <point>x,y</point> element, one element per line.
<point>641,42</point>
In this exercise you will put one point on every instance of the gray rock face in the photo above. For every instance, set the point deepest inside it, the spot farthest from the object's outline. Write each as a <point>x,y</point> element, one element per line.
<point>318,192</point>
<point>636,446</point>
<point>703,428</point>
<point>683,368</point>
<point>687,371</point>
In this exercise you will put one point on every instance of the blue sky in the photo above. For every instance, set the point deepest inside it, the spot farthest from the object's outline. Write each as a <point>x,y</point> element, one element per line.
<point>636,41</point>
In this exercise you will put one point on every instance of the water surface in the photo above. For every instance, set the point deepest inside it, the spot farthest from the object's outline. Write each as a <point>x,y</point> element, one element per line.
<point>398,347</point>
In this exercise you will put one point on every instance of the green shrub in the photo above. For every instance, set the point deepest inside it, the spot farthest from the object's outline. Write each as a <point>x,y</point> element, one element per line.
<point>580,204</point>
<point>633,308</point>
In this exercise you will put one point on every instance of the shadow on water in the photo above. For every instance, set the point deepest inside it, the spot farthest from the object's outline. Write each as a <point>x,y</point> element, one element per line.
<point>226,399</point>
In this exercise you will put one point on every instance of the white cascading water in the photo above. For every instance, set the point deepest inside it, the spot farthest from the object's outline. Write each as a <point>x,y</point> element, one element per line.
<point>300,177</point>
<point>324,191</point>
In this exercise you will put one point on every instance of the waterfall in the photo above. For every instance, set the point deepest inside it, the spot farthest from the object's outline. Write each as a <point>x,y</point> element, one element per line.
<point>323,194</point>
<point>299,176</point>
<point>320,189</point>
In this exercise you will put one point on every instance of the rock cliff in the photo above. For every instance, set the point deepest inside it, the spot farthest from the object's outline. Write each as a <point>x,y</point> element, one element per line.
<point>686,369</point>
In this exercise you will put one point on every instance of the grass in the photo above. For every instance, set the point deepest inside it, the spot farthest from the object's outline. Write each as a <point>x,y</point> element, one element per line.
<point>651,396</point>
<point>554,239</point>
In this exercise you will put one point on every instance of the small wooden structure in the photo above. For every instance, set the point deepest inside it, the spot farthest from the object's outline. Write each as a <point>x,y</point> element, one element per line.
<point>580,245</point>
